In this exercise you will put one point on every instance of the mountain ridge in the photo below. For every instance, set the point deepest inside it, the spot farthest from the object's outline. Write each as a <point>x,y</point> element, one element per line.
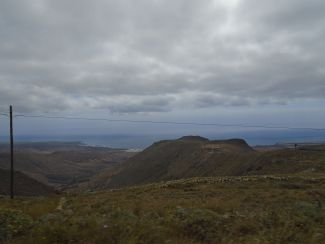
<point>185,157</point>
<point>194,156</point>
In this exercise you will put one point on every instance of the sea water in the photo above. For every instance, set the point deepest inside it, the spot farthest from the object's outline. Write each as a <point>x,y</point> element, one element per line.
<point>140,141</point>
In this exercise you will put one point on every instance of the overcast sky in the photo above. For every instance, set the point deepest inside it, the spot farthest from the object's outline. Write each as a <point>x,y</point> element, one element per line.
<point>254,61</point>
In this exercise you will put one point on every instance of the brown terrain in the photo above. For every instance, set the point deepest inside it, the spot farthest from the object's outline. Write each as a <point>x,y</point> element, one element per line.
<point>59,163</point>
<point>194,156</point>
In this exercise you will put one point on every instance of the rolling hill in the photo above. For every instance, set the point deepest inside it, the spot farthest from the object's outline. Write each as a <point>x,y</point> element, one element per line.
<point>62,163</point>
<point>194,156</point>
<point>23,185</point>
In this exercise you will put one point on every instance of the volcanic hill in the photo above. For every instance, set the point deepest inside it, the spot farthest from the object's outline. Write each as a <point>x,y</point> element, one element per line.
<point>185,157</point>
<point>195,156</point>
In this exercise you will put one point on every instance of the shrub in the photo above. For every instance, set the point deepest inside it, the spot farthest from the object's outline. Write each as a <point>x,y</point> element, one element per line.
<point>310,211</point>
<point>202,224</point>
<point>13,223</point>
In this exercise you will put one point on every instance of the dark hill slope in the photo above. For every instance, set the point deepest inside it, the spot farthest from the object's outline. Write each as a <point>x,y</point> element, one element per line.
<point>184,158</point>
<point>23,185</point>
<point>196,157</point>
<point>64,167</point>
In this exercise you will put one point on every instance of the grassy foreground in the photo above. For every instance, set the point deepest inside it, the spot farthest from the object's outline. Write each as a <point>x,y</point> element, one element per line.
<point>252,209</point>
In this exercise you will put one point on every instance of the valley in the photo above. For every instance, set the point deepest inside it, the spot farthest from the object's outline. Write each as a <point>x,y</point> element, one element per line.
<point>62,164</point>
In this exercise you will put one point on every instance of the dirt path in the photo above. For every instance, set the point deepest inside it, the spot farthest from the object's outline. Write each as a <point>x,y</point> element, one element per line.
<point>61,204</point>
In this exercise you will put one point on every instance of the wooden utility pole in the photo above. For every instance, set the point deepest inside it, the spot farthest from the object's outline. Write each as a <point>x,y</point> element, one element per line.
<point>11,156</point>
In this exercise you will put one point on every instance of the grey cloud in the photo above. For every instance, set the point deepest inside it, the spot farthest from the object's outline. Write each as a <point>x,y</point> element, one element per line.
<point>117,104</point>
<point>290,15</point>
<point>156,56</point>
<point>208,100</point>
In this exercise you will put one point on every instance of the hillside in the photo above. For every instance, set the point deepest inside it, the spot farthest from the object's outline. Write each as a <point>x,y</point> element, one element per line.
<point>250,209</point>
<point>196,156</point>
<point>61,164</point>
<point>182,158</point>
<point>237,201</point>
<point>23,185</point>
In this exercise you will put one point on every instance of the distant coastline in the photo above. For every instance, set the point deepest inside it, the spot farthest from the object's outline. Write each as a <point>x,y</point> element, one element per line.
<point>138,142</point>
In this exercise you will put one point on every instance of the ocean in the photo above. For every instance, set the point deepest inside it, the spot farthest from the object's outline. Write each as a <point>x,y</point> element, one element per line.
<point>253,138</point>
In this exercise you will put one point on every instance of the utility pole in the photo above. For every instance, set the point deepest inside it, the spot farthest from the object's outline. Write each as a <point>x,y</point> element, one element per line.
<point>11,156</point>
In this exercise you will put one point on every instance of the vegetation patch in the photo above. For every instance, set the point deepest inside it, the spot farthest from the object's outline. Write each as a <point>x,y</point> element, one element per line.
<point>250,209</point>
<point>13,223</point>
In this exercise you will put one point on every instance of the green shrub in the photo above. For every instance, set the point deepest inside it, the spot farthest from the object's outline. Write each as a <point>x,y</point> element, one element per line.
<point>310,211</point>
<point>201,224</point>
<point>13,223</point>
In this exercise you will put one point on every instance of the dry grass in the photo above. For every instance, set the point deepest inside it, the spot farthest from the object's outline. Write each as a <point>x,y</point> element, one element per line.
<point>251,209</point>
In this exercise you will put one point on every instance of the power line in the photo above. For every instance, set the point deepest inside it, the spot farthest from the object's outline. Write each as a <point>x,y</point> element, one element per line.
<point>171,122</point>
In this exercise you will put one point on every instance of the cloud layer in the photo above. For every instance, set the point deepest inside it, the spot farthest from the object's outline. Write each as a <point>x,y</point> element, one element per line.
<point>155,55</point>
